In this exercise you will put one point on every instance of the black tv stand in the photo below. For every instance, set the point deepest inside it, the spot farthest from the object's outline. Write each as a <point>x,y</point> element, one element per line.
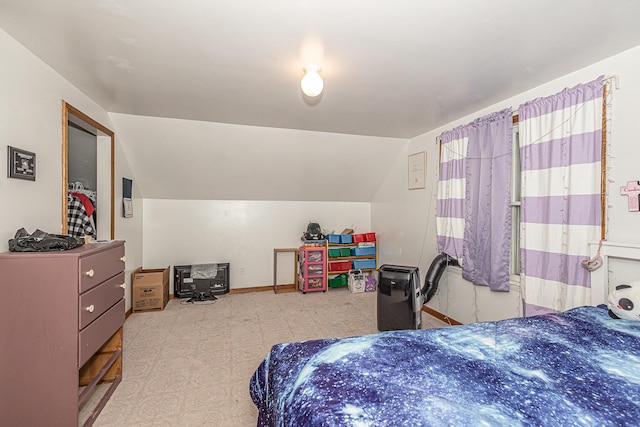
<point>202,297</point>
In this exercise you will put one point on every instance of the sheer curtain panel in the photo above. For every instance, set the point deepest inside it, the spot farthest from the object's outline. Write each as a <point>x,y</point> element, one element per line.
<point>474,211</point>
<point>487,232</point>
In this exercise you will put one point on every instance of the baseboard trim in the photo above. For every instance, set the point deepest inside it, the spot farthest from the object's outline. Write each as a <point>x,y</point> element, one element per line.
<point>279,289</point>
<point>282,289</point>
<point>440,316</point>
<point>250,290</point>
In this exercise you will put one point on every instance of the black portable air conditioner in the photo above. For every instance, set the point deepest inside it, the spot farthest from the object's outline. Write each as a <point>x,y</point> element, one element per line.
<point>399,298</point>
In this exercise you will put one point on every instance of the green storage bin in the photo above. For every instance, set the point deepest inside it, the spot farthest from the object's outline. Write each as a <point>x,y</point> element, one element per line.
<point>345,251</point>
<point>334,252</point>
<point>338,281</point>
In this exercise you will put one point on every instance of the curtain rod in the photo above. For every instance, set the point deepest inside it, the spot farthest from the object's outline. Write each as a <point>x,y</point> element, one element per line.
<point>613,79</point>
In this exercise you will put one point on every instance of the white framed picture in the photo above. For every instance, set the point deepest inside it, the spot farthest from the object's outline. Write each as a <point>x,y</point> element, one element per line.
<point>417,170</point>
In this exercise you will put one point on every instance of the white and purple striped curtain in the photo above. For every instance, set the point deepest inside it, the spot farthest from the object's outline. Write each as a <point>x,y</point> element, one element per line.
<point>450,209</point>
<point>560,152</point>
<point>473,211</point>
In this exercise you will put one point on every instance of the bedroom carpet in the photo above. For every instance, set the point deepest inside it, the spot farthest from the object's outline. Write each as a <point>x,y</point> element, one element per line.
<point>190,364</point>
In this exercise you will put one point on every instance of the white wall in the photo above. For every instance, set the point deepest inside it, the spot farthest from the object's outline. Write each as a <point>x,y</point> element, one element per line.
<point>192,160</point>
<point>195,177</point>
<point>406,219</point>
<point>128,229</point>
<point>243,233</point>
<point>31,119</point>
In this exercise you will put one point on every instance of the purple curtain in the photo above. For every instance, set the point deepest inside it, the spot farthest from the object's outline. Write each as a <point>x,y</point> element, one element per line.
<point>487,230</point>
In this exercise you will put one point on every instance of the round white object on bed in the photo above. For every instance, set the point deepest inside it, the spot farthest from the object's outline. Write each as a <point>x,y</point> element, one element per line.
<point>624,301</point>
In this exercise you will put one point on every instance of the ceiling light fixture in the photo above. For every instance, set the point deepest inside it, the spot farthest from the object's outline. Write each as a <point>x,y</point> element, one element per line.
<point>312,83</point>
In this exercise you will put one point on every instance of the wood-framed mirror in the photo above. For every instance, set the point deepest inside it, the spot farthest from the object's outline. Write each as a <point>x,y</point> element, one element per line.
<point>88,158</point>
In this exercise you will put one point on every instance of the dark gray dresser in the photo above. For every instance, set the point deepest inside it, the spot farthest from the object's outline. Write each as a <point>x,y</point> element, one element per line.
<point>61,317</point>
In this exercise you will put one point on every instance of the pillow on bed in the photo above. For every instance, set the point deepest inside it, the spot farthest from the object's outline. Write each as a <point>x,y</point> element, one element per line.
<point>624,302</point>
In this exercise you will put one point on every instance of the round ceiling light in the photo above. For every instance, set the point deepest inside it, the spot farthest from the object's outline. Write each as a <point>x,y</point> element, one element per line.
<point>311,82</point>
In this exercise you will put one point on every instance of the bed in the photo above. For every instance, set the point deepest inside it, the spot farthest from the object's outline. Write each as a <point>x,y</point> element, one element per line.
<point>579,367</point>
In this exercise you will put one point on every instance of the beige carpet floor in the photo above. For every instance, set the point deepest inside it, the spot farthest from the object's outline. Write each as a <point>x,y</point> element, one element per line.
<point>190,364</point>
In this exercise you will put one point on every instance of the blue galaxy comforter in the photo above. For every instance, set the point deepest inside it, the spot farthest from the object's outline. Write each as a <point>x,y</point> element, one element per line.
<point>578,368</point>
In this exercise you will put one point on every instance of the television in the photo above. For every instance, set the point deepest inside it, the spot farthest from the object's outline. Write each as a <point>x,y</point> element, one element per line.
<point>200,282</point>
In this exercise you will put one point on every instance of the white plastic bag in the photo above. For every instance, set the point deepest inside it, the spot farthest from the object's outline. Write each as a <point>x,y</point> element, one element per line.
<point>355,281</point>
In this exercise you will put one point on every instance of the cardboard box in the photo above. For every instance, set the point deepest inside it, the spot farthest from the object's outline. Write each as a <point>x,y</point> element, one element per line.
<point>149,289</point>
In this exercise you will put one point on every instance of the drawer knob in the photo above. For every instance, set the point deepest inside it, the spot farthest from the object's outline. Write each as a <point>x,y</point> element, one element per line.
<point>123,259</point>
<point>123,286</point>
<point>90,273</point>
<point>90,308</point>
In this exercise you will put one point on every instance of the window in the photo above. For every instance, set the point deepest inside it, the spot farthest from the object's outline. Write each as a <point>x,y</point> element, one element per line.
<point>514,267</point>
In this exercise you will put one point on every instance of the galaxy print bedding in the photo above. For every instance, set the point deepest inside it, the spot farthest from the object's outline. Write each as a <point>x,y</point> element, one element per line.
<point>575,368</point>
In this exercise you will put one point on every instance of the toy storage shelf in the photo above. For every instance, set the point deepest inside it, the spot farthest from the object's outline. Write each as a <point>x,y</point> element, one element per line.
<point>340,263</point>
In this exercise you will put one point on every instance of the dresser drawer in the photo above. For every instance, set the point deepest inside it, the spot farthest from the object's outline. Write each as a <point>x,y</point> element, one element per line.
<point>96,268</point>
<point>97,300</point>
<point>91,338</point>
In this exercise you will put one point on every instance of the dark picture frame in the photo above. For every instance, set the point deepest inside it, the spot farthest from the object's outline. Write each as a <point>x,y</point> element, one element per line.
<point>21,164</point>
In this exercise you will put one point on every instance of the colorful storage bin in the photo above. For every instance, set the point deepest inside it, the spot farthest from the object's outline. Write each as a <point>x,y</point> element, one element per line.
<point>338,281</point>
<point>333,238</point>
<point>364,264</point>
<point>369,250</point>
<point>338,252</point>
<point>358,238</point>
<point>334,252</point>
<point>340,266</point>
<point>370,237</point>
<point>345,238</point>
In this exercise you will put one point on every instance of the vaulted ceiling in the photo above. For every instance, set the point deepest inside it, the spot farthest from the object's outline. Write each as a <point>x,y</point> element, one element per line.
<point>391,68</point>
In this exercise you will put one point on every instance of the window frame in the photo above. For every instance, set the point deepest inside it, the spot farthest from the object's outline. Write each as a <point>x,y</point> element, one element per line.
<point>514,258</point>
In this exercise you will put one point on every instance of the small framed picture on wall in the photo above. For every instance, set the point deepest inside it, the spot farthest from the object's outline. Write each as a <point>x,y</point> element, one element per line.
<point>417,172</point>
<point>21,164</point>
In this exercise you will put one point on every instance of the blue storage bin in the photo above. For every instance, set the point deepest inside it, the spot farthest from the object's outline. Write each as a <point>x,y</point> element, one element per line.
<point>333,238</point>
<point>345,238</point>
<point>369,250</point>
<point>362,264</point>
